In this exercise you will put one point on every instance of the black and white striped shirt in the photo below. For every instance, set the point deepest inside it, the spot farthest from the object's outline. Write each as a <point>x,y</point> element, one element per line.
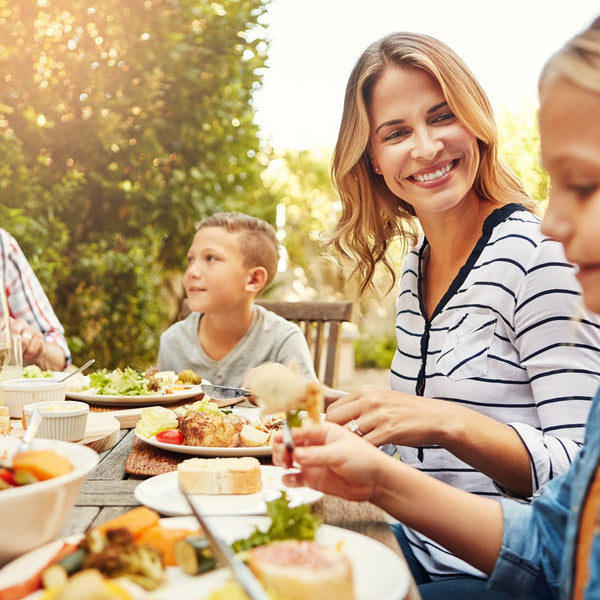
<point>510,339</point>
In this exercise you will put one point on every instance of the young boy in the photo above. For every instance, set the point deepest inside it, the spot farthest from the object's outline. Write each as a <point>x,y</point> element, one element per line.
<point>232,259</point>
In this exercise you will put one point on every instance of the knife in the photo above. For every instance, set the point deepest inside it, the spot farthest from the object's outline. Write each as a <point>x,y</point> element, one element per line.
<point>225,554</point>
<point>224,392</point>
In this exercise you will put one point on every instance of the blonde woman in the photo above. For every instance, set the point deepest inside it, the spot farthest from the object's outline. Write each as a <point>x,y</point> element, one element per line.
<point>496,359</point>
<point>551,547</point>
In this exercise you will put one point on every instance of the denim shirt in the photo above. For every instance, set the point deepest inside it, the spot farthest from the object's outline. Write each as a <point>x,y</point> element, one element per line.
<point>539,542</point>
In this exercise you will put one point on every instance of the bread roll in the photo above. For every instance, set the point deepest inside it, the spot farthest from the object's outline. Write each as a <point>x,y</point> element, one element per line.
<point>300,570</point>
<point>239,475</point>
<point>278,388</point>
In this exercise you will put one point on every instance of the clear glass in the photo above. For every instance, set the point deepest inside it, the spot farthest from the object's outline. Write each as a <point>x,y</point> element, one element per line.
<point>11,354</point>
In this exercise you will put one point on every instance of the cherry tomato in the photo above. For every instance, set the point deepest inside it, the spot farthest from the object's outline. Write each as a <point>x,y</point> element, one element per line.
<point>170,436</point>
<point>8,477</point>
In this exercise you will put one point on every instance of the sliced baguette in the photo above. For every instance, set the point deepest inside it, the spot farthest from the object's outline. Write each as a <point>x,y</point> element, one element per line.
<point>239,475</point>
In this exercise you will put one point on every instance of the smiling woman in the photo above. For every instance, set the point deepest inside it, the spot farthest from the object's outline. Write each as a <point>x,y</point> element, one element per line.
<point>481,381</point>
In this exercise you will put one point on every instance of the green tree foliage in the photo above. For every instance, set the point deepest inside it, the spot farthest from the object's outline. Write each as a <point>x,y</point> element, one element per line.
<point>122,123</point>
<point>308,210</point>
<point>520,148</point>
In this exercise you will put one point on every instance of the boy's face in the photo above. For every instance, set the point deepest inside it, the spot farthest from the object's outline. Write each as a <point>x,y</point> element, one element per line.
<point>215,277</point>
<point>570,139</point>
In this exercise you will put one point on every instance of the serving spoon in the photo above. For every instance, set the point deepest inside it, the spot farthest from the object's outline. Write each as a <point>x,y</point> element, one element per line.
<point>81,368</point>
<point>30,433</point>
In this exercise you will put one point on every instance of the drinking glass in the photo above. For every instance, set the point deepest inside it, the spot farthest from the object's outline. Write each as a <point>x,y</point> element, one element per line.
<point>11,354</point>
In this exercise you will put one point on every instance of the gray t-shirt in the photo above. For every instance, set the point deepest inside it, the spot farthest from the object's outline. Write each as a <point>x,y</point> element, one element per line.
<point>270,338</point>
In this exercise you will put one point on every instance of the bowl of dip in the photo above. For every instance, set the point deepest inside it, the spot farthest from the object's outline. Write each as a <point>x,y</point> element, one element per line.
<point>16,393</point>
<point>64,420</point>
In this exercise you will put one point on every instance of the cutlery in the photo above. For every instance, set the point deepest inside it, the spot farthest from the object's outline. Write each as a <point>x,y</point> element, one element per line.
<point>30,433</point>
<point>225,554</point>
<point>81,368</point>
<point>224,392</point>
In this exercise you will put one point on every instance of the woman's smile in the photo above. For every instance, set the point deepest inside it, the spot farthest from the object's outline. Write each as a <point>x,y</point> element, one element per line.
<point>433,175</point>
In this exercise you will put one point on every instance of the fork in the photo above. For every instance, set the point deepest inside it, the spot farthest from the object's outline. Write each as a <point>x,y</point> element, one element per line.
<point>288,438</point>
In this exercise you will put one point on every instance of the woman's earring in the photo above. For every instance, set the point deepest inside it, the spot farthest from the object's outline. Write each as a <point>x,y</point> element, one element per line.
<point>376,170</point>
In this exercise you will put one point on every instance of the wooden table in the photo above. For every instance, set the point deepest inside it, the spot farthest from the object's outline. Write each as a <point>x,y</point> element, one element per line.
<point>109,491</point>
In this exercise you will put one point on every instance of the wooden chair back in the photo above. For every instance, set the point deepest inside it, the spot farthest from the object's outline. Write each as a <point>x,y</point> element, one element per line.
<point>321,323</point>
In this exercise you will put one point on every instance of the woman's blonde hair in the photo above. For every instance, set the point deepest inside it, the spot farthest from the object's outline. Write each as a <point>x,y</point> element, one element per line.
<point>372,217</point>
<point>578,60</point>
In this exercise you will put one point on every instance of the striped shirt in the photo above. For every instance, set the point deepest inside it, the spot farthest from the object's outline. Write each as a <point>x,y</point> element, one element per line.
<point>26,298</point>
<point>510,339</point>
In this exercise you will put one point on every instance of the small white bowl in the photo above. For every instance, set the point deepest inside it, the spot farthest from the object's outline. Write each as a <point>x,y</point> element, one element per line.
<point>64,420</point>
<point>16,393</point>
<point>32,515</point>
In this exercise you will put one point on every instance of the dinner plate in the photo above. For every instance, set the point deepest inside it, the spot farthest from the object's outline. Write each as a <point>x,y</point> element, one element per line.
<point>148,400</point>
<point>161,493</point>
<point>250,413</point>
<point>378,572</point>
<point>208,450</point>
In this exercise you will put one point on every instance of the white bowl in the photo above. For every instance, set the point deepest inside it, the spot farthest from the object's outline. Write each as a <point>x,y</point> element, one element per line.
<point>33,515</point>
<point>64,420</point>
<point>16,393</point>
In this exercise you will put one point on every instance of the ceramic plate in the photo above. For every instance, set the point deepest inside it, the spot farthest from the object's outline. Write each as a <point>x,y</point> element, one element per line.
<point>378,571</point>
<point>161,493</point>
<point>209,450</point>
<point>250,413</point>
<point>152,399</point>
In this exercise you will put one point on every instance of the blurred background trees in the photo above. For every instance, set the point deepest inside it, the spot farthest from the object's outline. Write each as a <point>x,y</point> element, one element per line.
<point>122,124</point>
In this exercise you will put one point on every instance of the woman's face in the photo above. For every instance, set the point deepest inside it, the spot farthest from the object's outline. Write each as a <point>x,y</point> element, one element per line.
<point>424,153</point>
<point>570,141</point>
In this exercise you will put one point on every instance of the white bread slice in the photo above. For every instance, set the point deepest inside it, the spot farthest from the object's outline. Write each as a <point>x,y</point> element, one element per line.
<point>298,570</point>
<point>238,475</point>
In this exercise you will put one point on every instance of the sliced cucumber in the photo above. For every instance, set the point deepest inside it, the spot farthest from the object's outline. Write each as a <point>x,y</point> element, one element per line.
<point>194,556</point>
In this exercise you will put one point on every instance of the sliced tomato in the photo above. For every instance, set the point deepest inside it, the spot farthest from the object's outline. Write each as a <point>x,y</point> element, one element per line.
<point>170,436</point>
<point>8,477</point>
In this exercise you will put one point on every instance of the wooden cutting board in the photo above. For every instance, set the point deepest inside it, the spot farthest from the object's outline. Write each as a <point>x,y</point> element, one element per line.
<point>101,433</point>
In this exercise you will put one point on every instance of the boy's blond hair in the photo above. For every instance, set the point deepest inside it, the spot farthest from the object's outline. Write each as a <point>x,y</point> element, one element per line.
<point>258,240</point>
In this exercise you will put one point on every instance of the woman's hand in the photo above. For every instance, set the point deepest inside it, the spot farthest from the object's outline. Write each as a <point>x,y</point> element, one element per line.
<point>330,459</point>
<point>387,417</point>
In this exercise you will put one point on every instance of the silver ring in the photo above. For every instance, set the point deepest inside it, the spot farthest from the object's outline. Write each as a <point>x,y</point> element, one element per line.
<point>27,337</point>
<point>354,428</point>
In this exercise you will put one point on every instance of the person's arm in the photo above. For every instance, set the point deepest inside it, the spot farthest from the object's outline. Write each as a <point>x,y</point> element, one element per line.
<point>480,441</point>
<point>43,338</point>
<point>337,462</point>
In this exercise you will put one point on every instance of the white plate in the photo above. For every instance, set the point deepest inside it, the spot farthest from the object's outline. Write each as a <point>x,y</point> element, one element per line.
<point>92,398</point>
<point>208,450</point>
<point>250,413</point>
<point>161,493</point>
<point>378,571</point>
